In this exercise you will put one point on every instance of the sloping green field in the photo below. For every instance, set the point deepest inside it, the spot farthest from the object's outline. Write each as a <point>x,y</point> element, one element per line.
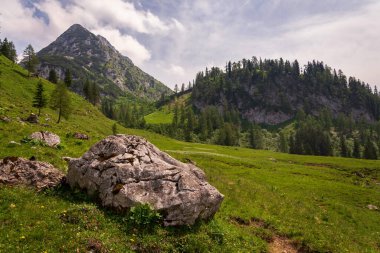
<point>319,204</point>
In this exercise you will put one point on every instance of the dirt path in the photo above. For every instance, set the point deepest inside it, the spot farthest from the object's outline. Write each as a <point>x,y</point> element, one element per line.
<point>281,245</point>
<point>276,243</point>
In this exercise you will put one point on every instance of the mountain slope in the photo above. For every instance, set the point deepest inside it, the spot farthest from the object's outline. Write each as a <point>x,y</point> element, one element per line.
<point>317,203</point>
<point>93,57</point>
<point>272,91</point>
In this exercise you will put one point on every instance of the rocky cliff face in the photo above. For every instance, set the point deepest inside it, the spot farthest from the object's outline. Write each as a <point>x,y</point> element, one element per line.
<point>93,57</point>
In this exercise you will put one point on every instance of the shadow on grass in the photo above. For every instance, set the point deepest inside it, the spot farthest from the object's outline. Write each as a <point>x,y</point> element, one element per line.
<point>77,196</point>
<point>20,73</point>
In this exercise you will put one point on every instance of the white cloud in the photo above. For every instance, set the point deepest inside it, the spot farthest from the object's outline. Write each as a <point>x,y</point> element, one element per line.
<point>110,19</point>
<point>193,34</point>
<point>176,70</point>
<point>126,44</point>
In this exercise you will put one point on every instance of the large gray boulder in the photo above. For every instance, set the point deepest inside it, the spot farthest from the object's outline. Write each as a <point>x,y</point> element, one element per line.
<point>50,139</point>
<point>20,171</point>
<point>124,170</point>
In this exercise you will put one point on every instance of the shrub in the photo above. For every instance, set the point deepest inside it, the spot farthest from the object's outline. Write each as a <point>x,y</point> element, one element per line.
<point>143,217</point>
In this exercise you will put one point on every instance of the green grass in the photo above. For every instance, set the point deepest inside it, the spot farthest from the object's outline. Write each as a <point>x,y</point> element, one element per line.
<point>159,117</point>
<point>318,202</point>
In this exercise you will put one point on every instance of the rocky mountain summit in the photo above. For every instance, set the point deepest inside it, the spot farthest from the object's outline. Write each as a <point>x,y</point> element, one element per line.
<point>91,56</point>
<point>126,170</point>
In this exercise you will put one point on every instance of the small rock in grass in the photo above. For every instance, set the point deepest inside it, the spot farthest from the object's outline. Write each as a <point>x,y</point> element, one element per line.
<point>13,144</point>
<point>81,136</point>
<point>52,140</point>
<point>372,207</point>
<point>33,118</point>
<point>5,119</point>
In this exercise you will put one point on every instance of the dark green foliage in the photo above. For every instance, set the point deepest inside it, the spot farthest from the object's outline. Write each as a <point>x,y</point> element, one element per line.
<point>39,100</point>
<point>60,100</point>
<point>53,78</point>
<point>283,145</point>
<point>143,218</point>
<point>190,124</point>
<point>114,129</point>
<point>30,60</point>
<point>91,92</point>
<point>343,147</point>
<point>311,139</point>
<point>68,78</point>
<point>255,137</point>
<point>228,135</point>
<point>370,150</point>
<point>356,150</point>
<point>279,86</point>
<point>7,49</point>
<point>108,108</point>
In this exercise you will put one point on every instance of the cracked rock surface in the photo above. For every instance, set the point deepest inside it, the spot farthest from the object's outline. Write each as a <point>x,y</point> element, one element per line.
<point>20,171</point>
<point>124,170</point>
<point>50,139</point>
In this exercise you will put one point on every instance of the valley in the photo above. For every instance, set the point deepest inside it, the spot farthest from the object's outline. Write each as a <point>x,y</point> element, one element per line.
<point>314,203</point>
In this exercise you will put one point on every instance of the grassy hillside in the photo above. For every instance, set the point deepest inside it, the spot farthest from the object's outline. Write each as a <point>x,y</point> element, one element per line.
<point>272,200</point>
<point>164,115</point>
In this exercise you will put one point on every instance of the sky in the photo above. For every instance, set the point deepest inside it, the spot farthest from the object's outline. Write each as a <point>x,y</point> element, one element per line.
<point>173,40</point>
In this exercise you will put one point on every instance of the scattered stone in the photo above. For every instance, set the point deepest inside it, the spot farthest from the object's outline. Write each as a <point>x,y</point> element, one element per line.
<point>33,118</point>
<point>95,246</point>
<point>52,140</point>
<point>80,136</point>
<point>20,171</point>
<point>359,174</point>
<point>45,125</point>
<point>13,144</point>
<point>125,170</point>
<point>5,119</point>
<point>372,207</point>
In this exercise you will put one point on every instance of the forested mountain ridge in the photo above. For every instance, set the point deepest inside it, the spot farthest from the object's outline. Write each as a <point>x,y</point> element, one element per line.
<point>272,91</point>
<point>92,57</point>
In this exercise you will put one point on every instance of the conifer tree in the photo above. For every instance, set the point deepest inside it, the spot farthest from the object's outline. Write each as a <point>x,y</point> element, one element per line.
<point>176,88</point>
<point>68,78</point>
<point>175,116</point>
<point>356,150</point>
<point>53,76</point>
<point>370,151</point>
<point>7,49</point>
<point>86,89</point>
<point>343,147</point>
<point>31,59</point>
<point>60,100</point>
<point>39,100</point>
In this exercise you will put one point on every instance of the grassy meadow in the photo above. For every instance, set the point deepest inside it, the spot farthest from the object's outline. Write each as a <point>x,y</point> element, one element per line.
<point>318,203</point>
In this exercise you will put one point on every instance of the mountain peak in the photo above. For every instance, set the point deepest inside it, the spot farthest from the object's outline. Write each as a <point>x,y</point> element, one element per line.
<point>76,26</point>
<point>89,55</point>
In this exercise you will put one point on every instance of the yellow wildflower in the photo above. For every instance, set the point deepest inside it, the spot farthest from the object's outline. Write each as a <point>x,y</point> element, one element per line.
<point>13,205</point>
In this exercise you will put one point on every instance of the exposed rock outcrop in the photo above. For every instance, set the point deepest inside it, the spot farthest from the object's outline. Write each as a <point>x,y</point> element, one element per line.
<point>80,136</point>
<point>50,139</point>
<point>32,118</point>
<point>20,171</point>
<point>125,170</point>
